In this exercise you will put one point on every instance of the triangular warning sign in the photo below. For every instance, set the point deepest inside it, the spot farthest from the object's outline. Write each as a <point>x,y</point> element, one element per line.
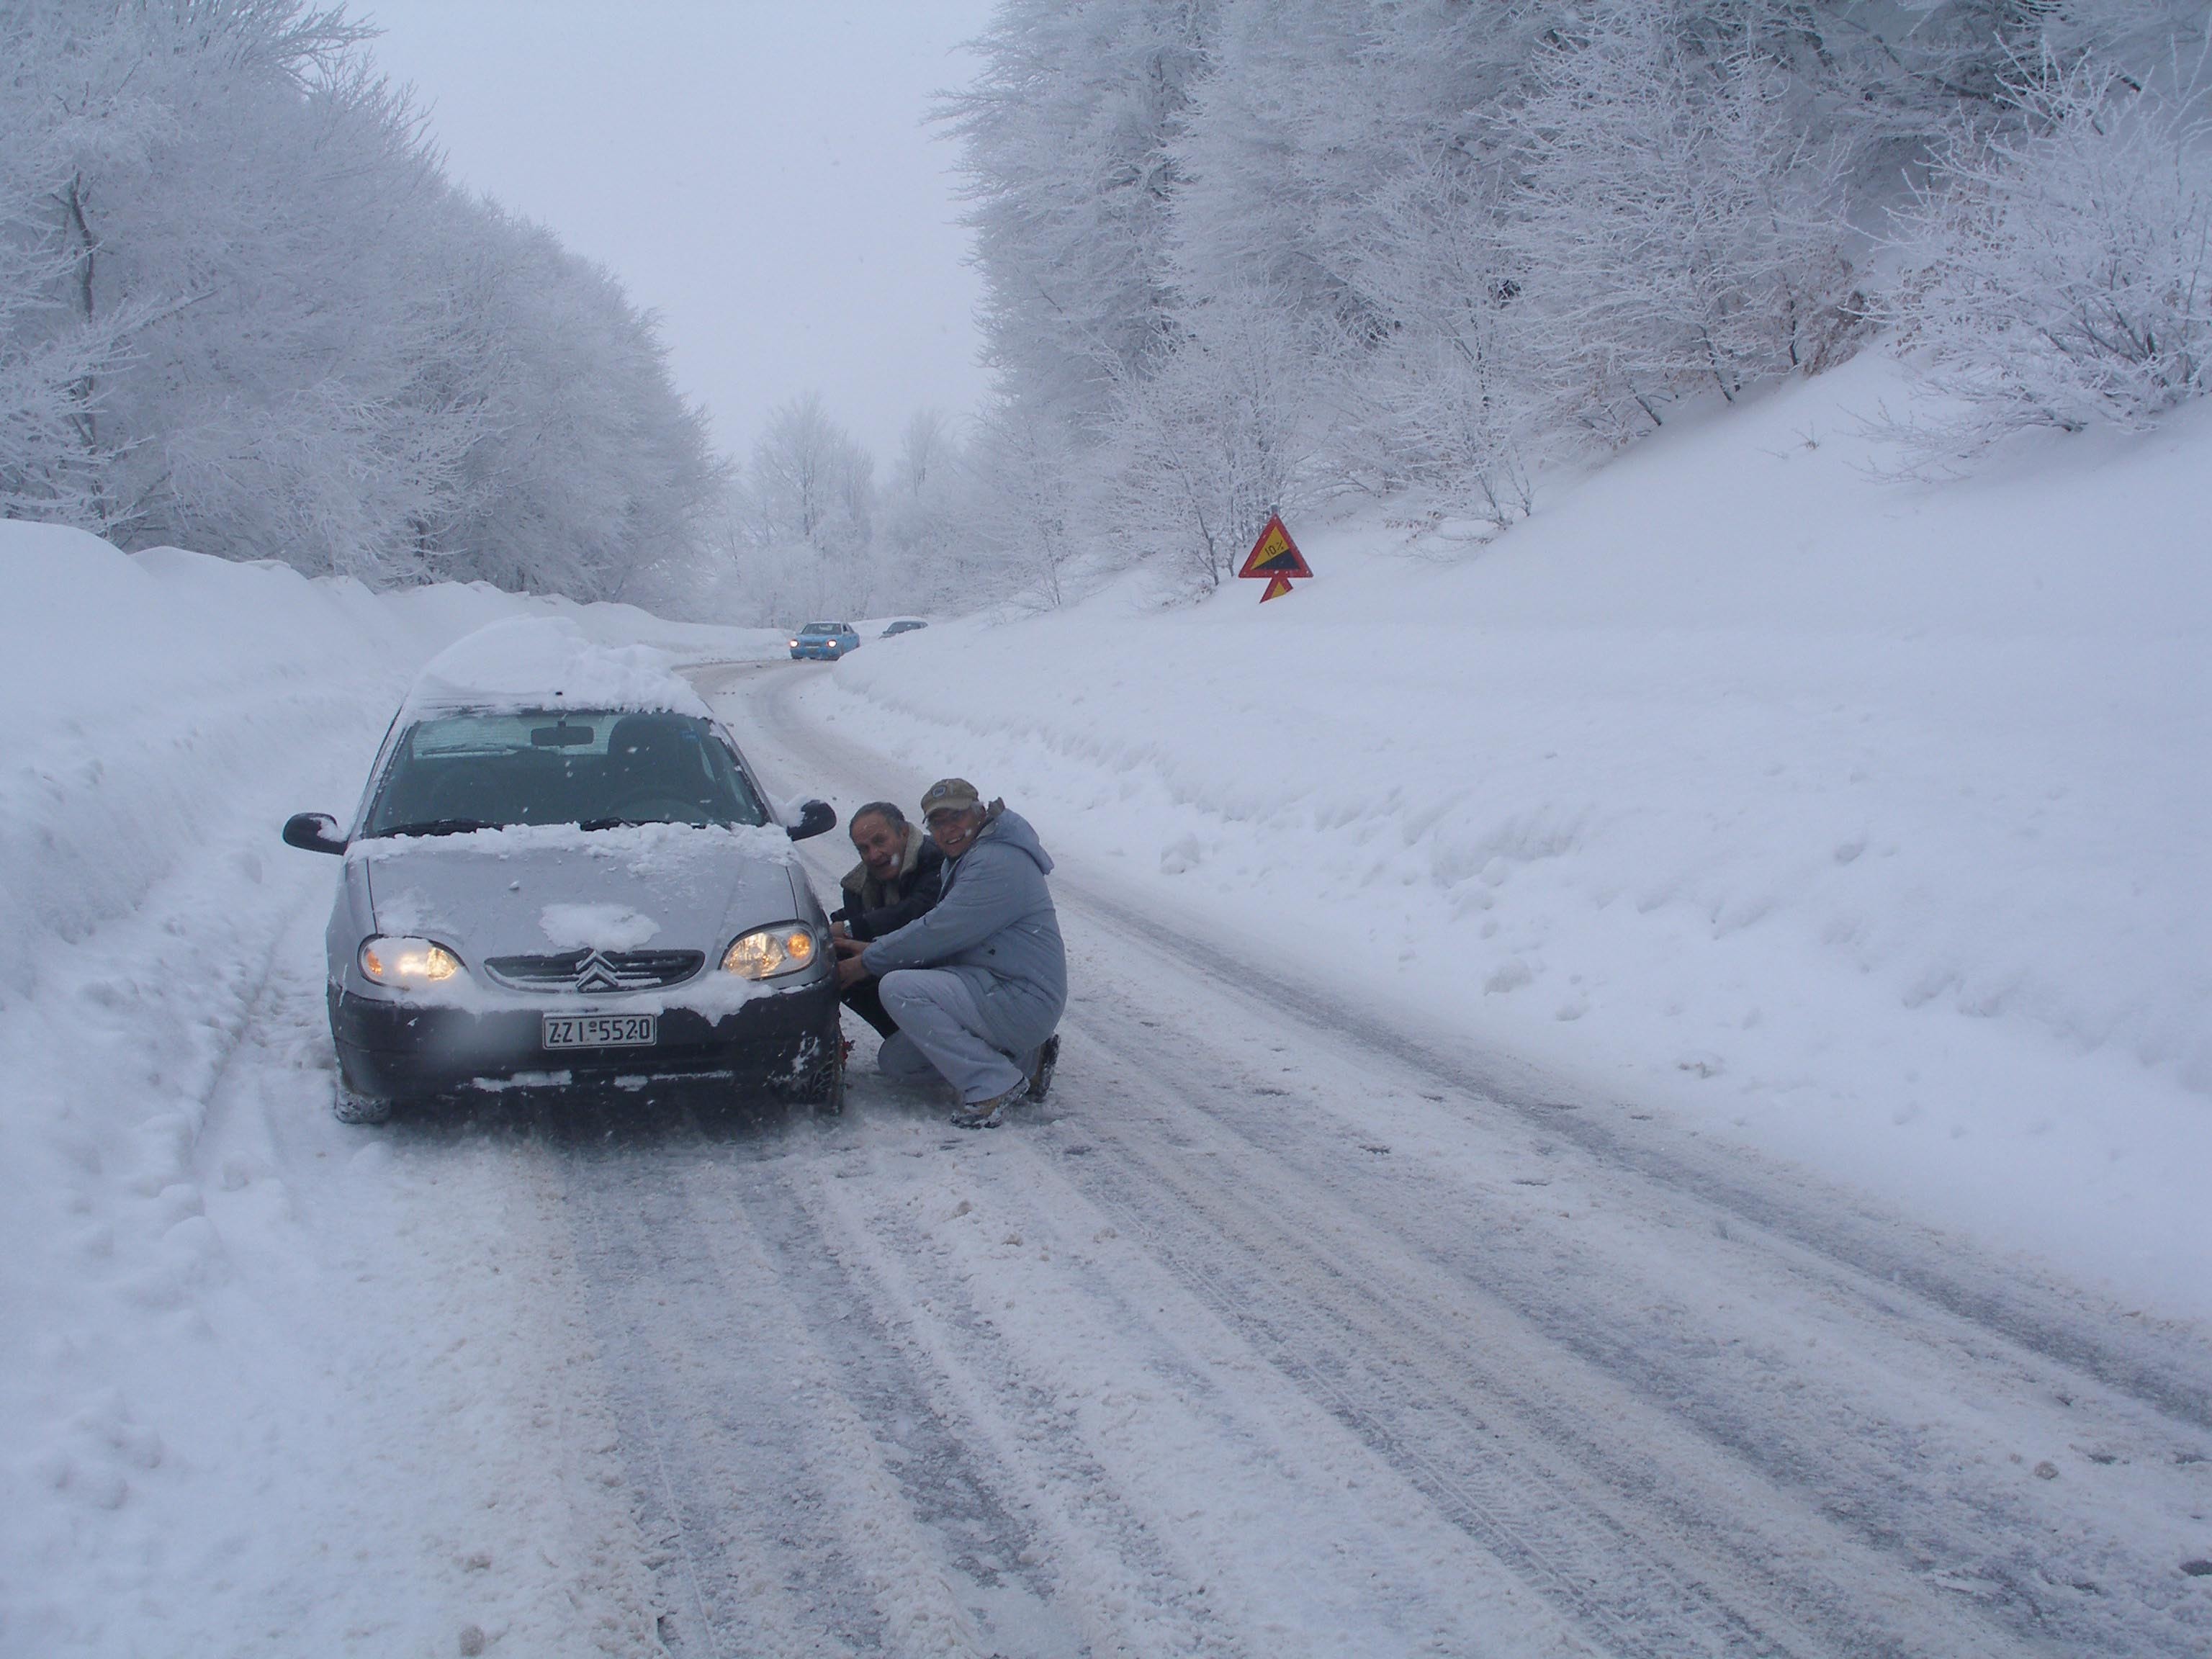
<point>1277,587</point>
<point>1275,555</point>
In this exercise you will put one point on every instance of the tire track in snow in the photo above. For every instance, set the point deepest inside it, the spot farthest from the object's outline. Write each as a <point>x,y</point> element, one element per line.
<point>748,1562</point>
<point>1172,1468</point>
<point>1593,1533</point>
<point>756,1371</point>
<point>1896,1430</point>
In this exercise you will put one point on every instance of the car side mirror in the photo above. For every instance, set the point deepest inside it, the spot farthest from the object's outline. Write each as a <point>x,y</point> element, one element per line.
<point>816,818</point>
<point>313,832</point>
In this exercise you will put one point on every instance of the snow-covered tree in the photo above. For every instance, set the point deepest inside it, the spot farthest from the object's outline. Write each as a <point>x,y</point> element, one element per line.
<point>809,483</point>
<point>1230,428</point>
<point>1682,220</point>
<point>279,333</point>
<point>1067,138</point>
<point>2061,275</point>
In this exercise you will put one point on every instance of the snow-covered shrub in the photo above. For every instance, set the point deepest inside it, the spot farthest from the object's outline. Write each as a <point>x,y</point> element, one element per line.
<point>2061,275</point>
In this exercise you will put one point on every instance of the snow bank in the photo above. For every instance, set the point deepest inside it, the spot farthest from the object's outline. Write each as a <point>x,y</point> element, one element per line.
<point>166,712</point>
<point>1866,822</point>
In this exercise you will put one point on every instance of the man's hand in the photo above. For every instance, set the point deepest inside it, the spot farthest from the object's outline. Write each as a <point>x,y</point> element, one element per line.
<point>851,970</point>
<point>840,933</point>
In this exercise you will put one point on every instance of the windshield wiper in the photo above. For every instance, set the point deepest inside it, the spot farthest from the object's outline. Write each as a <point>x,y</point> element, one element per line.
<point>439,827</point>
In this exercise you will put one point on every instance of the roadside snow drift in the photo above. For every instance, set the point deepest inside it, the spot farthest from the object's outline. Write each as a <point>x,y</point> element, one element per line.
<point>1862,820</point>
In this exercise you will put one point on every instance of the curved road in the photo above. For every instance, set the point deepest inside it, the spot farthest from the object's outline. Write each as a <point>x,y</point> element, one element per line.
<point>1282,1330</point>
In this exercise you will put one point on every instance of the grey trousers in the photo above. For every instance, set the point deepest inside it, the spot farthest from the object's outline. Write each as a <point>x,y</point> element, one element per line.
<point>940,1035</point>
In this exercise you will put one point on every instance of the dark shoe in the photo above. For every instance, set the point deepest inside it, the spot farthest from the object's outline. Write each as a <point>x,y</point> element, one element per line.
<point>1047,1060</point>
<point>986,1113</point>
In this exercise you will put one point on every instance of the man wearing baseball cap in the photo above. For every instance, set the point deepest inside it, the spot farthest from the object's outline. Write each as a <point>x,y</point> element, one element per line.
<point>979,983</point>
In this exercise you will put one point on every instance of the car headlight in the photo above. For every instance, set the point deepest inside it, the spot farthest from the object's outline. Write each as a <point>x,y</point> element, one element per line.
<point>408,960</point>
<point>768,952</point>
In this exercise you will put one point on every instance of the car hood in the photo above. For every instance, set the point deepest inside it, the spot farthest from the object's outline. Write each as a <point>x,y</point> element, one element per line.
<point>541,890</point>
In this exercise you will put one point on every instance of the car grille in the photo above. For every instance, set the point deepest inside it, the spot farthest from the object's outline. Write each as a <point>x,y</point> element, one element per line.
<point>597,970</point>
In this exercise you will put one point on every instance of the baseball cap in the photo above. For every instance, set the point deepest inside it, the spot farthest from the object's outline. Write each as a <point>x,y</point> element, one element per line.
<point>949,795</point>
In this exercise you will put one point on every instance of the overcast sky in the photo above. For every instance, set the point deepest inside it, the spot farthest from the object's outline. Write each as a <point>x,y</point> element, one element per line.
<point>755,170</point>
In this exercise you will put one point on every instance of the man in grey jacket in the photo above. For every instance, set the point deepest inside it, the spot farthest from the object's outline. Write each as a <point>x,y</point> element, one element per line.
<point>979,983</point>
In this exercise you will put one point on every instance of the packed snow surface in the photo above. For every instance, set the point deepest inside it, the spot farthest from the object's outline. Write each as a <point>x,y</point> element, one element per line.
<point>1862,820</point>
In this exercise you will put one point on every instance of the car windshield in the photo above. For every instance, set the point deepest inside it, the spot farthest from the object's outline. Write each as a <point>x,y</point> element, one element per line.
<point>824,628</point>
<point>458,772</point>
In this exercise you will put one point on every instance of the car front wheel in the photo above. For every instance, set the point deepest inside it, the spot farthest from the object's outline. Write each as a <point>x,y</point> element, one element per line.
<point>822,1084</point>
<point>350,1106</point>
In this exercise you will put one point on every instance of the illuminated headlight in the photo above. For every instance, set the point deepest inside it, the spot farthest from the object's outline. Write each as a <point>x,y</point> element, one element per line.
<point>767,953</point>
<point>408,961</point>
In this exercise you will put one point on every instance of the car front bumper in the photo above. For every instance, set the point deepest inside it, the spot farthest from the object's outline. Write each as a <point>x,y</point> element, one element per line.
<point>395,1051</point>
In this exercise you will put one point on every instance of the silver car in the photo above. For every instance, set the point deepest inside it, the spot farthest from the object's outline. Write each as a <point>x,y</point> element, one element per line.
<point>564,874</point>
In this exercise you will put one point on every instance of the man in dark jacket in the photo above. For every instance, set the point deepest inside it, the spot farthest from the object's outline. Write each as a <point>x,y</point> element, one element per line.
<point>893,883</point>
<point>977,984</point>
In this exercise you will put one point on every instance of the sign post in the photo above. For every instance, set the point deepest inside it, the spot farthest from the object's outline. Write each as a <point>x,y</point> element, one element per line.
<point>1276,557</point>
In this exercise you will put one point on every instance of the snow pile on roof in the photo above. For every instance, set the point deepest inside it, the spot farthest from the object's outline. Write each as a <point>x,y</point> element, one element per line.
<point>537,662</point>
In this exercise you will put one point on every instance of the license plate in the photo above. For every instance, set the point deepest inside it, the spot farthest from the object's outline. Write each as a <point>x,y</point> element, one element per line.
<point>601,1030</point>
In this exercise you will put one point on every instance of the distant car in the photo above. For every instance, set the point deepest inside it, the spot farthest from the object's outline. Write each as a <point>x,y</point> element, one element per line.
<point>564,873</point>
<point>825,641</point>
<point>906,627</point>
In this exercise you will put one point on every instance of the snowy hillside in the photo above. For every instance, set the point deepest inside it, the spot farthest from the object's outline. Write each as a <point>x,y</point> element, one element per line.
<point>1860,821</point>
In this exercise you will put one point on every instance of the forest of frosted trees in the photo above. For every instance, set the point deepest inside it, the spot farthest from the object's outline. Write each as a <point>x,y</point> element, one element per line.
<point>1244,254</point>
<point>1238,254</point>
<point>242,311</point>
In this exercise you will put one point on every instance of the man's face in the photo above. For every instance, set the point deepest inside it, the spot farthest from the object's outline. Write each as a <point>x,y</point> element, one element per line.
<point>880,846</point>
<point>955,832</point>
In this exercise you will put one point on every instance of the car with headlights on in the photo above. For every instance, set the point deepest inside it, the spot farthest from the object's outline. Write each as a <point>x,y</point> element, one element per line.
<point>563,873</point>
<point>824,642</point>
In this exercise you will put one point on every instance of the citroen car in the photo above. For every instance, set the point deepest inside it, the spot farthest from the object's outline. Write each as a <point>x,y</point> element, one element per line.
<point>563,873</point>
<point>824,642</point>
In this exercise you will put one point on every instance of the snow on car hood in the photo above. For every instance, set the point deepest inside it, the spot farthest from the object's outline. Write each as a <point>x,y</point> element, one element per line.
<point>532,889</point>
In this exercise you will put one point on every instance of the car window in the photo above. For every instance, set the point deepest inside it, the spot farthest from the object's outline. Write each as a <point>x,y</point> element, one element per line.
<point>821,628</point>
<point>599,768</point>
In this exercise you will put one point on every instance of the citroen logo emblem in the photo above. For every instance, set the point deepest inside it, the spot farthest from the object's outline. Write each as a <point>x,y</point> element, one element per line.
<point>596,973</point>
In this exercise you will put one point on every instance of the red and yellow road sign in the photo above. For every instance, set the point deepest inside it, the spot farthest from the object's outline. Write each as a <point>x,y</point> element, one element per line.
<point>1276,557</point>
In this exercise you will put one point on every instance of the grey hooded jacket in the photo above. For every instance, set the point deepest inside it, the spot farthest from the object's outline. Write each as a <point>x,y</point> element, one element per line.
<point>994,926</point>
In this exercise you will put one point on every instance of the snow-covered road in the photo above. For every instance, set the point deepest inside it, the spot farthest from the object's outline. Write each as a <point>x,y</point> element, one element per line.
<point>1289,1326</point>
<point>1284,1329</point>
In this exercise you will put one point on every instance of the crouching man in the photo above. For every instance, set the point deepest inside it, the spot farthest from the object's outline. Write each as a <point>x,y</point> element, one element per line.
<point>978,984</point>
<point>895,882</point>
